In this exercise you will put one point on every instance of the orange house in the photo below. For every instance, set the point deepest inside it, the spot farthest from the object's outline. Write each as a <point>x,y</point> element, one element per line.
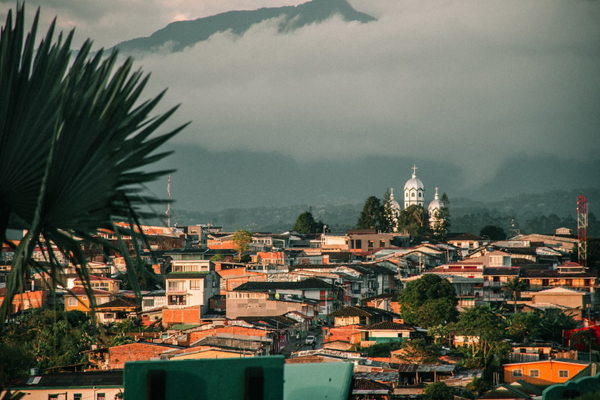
<point>546,372</point>
<point>78,299</point>
<point>27,300</point>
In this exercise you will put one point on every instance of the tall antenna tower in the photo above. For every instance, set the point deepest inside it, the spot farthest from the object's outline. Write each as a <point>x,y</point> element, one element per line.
<point>582,229</point>
<point>168,213</point>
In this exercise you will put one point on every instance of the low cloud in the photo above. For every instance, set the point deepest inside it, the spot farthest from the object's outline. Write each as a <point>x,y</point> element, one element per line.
<point>466,82</point>
<point>469,83</point>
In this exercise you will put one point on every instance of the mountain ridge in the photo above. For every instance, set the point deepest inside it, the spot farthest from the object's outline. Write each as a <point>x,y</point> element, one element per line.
<point>182,34</point>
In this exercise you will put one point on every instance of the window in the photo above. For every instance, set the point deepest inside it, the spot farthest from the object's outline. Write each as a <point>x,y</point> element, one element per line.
<point>176,300</point>
<point>382,243</point>
<point>370,244</point>
<point>84,298</point>
<point>196,284</point>
<point>101,396</point>
<point>420,194</point>
<point>72,301</point>
<point>358,244</point>
<point>534,373</point>
<point>406,195</point>
<point>109,316</point>
<point>177,286</point>
<point>495,260</point>
<point>412,194</point>
<point>517,373</point>
<point>563,373</point>
<point>148,303</point>
<point>77,396</point>
<point>52,397</point>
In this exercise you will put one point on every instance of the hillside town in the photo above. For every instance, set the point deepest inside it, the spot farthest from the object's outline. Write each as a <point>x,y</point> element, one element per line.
<point>417,316</point>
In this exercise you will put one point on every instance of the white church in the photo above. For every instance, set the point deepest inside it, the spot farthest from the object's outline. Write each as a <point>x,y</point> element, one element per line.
<point>414,194</point>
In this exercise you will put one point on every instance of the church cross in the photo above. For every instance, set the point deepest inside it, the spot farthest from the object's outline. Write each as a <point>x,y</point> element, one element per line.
<point>414,168</point>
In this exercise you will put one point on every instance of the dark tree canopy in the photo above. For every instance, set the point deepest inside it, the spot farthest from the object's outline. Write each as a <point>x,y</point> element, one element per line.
<point>442,227</point>
<point>428,301</point>
<point>305,223</point>
<point>493,232</point>
<point>372,215</point>
<point>415,221</point>
<point>438,391</point>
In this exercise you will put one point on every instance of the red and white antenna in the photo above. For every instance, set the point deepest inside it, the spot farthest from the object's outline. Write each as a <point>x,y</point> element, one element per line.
<point>582,229</point>
<point>169,203</point>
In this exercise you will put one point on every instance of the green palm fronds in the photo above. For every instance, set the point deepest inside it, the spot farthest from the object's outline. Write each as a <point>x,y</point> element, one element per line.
<point>74,139</point>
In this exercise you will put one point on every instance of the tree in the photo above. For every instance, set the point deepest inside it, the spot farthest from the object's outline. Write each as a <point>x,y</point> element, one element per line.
<point>371,216</point>
<point>554,322</point>
<point>438,391</point>
<point>388,223</point>
<point>242,239</point>
<point>418,351</point>
<point>415,221</point>
<point>217,257</point>
<point>487,327</point>
<point>593,253</point>
<point>428,301</point>
<point>515,286</point>
<point>442,226</point>
<point>75,141</point>
<point>584,338</point>
<point>524,326</point>
<point>478,386</point>
<point>305,223</point>
<point>494,233</point>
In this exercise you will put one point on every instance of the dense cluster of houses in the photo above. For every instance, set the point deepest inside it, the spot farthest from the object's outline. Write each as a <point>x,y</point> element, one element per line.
<point>343,285</point>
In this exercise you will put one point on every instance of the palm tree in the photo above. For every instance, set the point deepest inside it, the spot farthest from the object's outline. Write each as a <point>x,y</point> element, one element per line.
<point>73,139</point>
<point>515,286</point>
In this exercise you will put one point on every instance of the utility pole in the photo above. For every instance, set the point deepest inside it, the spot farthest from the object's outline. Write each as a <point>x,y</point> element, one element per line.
<point>582,230</point>
<point>169,201</point>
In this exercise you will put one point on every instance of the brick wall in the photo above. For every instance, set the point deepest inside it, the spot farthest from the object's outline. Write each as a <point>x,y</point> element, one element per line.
<point>188,315</point>
<point>348,333</point>
<point>118,355</point>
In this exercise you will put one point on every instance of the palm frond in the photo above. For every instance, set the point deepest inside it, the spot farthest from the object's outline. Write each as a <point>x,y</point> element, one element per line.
<point>74,139</point>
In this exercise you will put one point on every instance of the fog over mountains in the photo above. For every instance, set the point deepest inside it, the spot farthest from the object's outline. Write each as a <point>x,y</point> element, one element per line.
<point>331,101</point>
<point>178,35</point>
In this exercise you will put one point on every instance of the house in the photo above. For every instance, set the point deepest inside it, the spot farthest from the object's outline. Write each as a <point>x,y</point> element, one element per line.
<point>97,385</point>
<point>578,302</point>
<point>411,374</point>
<point>119,355</point>
<point>242,303</point>
<point>26,300</point>
<point>467,242</point>
<point>116,310</point>
<point>78,299</point>
<point>328,295</point>
<point>232,278</point>
<point>386,332</point>
<point>188,292</point>
<point>364,388</point>
<point>100,283</point>
<point>358,315</point>
<point>494,278</point>
<point>544,372</point>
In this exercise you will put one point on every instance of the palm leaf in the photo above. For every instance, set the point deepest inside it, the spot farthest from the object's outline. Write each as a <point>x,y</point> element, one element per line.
<point>73,144</point>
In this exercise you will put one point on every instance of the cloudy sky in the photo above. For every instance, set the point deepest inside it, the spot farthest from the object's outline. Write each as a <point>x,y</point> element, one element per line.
<point>467,83</point>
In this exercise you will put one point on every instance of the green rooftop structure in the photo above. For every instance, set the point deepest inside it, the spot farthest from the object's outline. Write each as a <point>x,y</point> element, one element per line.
<point>251,378</point>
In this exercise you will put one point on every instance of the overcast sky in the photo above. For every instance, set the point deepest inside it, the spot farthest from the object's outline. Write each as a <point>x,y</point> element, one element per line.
<point>465,82</point>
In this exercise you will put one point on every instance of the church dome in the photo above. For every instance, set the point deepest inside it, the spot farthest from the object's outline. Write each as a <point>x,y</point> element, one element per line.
<point>393,203</point>
<point>414,182</point>
<point>435,204</point>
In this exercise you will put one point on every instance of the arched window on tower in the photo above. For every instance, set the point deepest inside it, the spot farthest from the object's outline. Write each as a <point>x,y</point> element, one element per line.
<point>412,194</point>
<point>406,195</point>
<point>420,194</point>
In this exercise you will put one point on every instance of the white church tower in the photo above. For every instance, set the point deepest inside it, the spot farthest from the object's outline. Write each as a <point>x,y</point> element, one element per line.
<point>434,211</point>
<point>414,191</point>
